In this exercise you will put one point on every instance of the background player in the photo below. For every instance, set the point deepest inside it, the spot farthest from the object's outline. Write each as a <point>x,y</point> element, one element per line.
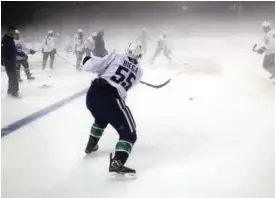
<point>162,46</point>
<point>22,57</point>
<point>49,49</point>
<point>117,73</point>
<point>79,47</point>
<point>268,48</point>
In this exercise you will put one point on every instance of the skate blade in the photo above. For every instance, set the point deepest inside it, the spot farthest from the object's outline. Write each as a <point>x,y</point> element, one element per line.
<point>122,176</point>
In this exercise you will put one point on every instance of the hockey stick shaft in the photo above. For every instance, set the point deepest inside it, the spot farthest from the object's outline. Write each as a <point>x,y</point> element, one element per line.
<point>68,61</point>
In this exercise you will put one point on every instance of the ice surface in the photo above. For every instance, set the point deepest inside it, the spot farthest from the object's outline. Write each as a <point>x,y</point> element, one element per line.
<point>220,144</point>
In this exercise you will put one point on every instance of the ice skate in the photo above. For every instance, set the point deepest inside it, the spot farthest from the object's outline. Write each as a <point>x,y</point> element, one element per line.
<point>118,170</point>
<point>91,146</point>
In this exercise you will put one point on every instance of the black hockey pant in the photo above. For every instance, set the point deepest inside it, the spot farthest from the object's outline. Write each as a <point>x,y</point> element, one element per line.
<point>106,106</point>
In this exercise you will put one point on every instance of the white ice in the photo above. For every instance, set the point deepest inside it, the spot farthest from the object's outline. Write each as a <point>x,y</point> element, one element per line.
<point>220,144</point>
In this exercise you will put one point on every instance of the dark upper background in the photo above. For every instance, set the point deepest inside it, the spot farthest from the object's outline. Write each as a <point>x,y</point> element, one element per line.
<point>68,16</point>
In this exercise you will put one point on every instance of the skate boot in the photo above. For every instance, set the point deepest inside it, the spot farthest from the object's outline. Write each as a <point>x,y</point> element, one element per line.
<point>92,145</point>
<point>29,75</point>
<point>116,167</point>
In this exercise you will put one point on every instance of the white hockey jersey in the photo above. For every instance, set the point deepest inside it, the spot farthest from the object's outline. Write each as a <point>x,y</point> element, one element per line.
<point>117,69</point>
<point>79,44</point>
<point>20,47</point>
<point>49,44</point>
<point>269,42</point>
<point>89,43</point>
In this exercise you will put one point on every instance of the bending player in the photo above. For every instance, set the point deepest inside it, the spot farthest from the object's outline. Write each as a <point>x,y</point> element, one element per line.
<point>268,48</point>
<point>117,73</point>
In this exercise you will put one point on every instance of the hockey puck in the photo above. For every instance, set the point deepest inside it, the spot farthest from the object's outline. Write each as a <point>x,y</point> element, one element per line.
<point>190,98</point>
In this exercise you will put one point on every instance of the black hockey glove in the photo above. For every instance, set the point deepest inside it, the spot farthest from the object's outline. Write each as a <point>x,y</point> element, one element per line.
<point>86,59</point>
<point>54,51</point>
<point>261,50</point>
<point>32,51</point>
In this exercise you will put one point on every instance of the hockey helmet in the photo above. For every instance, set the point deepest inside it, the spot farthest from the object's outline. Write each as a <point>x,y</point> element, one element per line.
<point>266,26</point>
<point>17,34</point>
<point>134,51</point>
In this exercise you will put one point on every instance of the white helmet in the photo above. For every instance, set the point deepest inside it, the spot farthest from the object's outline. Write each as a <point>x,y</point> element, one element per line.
<point>80,31</point>
<point>50,32</point>
<point>134,51</point>
<point>17,32</point>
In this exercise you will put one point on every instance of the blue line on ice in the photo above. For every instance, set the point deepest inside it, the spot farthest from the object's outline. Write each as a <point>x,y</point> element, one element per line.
<point>27,120</point>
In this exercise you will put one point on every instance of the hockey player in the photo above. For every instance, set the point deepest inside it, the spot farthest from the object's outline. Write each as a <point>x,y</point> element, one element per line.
<point>22,57</point>
<point>117,73</point>
<point>49,49</point>
<point>268,48</point>
<point>79,47</point>
<point>162,46</point>
<point>89,45</point>
<point>99,44</point>
<point>143,39</point>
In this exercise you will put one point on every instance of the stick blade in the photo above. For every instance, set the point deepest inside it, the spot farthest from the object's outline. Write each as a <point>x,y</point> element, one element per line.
<point>156,86</point>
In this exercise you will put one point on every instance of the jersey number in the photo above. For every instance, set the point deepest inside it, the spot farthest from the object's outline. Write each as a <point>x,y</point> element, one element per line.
<point>124,77</point>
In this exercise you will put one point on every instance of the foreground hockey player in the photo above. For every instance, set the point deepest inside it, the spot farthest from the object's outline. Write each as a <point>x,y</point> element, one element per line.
<point>22,57</point>
<point>162,46</point>
<point>49,49</point>
<point>79,47</point>
<point>268,48</point>
<point>117,73</point>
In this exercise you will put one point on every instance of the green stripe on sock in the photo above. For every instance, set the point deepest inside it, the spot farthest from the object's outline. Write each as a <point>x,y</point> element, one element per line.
<point>124,146</point>
<point>96,131</point>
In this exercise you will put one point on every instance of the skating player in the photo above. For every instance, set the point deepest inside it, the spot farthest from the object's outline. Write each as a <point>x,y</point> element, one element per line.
<point>162,46</point>
<point>268,48</point>
<point>49,49</point>
<point>117,74</point>
<point>22,57</point>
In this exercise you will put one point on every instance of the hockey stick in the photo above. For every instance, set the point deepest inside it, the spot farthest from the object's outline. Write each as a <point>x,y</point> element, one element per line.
<point>66,60</point>
<point>160,85</point>
<point>156,86</point>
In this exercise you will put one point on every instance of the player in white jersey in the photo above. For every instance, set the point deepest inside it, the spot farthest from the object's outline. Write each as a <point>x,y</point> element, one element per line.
<point>162,46</point>
<point>79,47</point>
<point>268,48</point>
<point>117,74</point>
<point>22,57</point>
<point>49,49</point>
<point>89,45</point>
